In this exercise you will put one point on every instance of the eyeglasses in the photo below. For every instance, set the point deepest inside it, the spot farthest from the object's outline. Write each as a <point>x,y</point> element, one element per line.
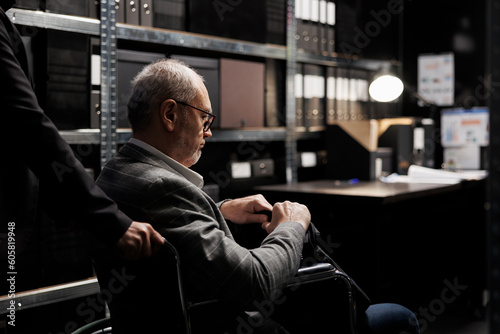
<point>208,122</point>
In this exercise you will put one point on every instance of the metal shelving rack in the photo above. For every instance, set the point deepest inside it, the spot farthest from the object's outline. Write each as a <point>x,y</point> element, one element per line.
<point>110,31</point>
<point>108,136</point>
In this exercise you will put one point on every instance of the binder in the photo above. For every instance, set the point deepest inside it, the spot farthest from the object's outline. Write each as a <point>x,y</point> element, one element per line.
<point>353,103</point>
<point>314,46</point>
<point>330,27</point>
<point>359,94</point>
<point>302,36</point>
<point>299,95</point>
<point>243,20</point>
<point>27,4</point>
<point>169,14</point>
<point>303,16</point>
<point>120,11</point>
<point>330,95</point>
<point>323,28</point>
<point>95,109</point>
<point>242,93</point>
<point>95,83</point>
<point>78,8</point>
<point>342,94</point>
<point>275,21</point>
<point>132,13</point>
<point>347,12</point>
<point>146,13</point>
<point>314,28</point>
<point>94,9</point>
<point>314,95</point>
<point>67,79</point>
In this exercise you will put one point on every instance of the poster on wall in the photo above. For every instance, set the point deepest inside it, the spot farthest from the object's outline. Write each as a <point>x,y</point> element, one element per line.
<point>436,78</point>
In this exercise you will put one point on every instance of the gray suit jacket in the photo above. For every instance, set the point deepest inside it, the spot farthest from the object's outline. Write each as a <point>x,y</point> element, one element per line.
<point>214,266</point>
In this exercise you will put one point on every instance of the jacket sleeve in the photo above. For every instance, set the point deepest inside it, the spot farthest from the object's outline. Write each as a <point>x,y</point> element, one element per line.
<point>214,262</point>
<point>66,190</point>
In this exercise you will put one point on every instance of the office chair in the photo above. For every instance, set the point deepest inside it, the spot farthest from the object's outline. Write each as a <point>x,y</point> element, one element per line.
<point>312,287</point>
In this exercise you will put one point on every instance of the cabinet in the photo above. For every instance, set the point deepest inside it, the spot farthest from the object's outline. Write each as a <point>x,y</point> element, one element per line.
<point>109,35</point>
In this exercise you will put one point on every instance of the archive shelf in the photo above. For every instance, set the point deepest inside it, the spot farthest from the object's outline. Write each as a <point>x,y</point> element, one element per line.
<point>187,40</point>
<point>109,136</point>
<point>192,41</point>
<point>92,136</point>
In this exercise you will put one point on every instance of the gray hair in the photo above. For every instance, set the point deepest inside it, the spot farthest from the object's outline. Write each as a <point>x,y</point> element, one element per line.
<point>157,82</point>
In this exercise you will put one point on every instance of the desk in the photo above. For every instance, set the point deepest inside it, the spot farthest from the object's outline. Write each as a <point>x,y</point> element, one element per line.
<point>400,242</point>
<point>369,192</point>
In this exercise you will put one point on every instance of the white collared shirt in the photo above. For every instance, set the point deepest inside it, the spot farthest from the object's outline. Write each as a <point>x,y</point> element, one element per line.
<point>189,174</point>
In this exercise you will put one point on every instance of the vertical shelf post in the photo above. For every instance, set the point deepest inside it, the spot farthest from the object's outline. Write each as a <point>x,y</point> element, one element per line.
<point>291,113</point>
<point>108,80</point>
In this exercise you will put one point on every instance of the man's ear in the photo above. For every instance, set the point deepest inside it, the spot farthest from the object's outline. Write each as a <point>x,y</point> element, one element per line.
<point>167,114</point>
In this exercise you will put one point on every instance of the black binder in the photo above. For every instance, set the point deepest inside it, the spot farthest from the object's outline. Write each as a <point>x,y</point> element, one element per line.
<point>146,13</point>
<point>66,79</point>
<point>302,35</point>
<point>243,20</point>
<point>347,14</point>
<point>276,21</point>
<point>169,14</point>
<point>28,4</point>
<point>79,8</point>
<point>132,12</point>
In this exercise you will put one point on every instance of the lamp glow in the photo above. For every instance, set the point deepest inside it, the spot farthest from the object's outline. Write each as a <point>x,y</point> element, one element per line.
<point>386,88</point>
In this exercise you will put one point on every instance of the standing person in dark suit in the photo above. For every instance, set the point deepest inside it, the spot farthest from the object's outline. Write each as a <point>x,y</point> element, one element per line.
<point>39,169</point>
<point>170,114</point>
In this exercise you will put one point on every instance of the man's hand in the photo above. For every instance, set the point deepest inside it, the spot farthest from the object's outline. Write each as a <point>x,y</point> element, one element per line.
<point>288,212</point>
<point>245,210</point>
<point>140,240</point>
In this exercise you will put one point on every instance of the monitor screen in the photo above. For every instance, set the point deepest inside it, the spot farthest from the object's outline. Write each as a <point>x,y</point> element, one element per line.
<point>465,127</point>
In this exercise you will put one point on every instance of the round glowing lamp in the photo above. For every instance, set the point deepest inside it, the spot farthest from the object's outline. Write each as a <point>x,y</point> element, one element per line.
<point>386,88</point>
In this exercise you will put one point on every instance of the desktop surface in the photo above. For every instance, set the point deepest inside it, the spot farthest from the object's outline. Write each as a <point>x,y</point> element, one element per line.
<point>369,190</point>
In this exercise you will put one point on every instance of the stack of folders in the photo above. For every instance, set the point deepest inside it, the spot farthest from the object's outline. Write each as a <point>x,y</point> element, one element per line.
<point>324,95</point>
<point>310,95</point>
<point>348,98</point>
<point>315,26</point>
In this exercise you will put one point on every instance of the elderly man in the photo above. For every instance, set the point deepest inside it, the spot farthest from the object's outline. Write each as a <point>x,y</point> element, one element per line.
<point>150,179</point>
<point>169,112</point>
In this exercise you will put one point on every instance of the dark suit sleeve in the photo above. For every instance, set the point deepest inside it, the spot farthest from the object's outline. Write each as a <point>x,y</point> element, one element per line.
<point>214,262</point>
<point>66,190</point>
